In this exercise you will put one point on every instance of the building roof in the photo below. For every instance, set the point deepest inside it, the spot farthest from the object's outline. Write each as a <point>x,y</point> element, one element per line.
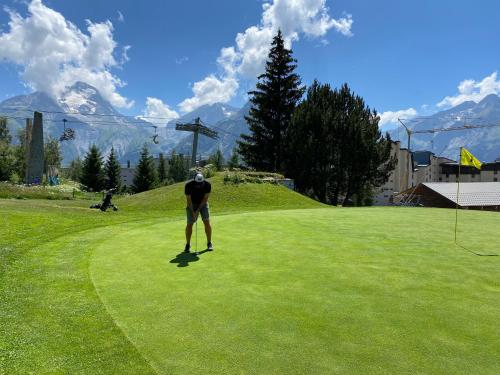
<point>470,194</point>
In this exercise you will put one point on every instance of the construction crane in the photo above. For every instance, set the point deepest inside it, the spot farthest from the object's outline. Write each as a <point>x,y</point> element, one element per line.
<point>196,127</point>
<point>409,133</point>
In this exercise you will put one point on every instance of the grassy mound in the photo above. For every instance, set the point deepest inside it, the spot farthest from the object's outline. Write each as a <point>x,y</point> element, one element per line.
<point>225,198</point>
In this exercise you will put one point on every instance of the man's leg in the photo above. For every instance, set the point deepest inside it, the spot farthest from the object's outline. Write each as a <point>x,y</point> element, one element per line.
<point>189,232</point>
<point>208,230</point>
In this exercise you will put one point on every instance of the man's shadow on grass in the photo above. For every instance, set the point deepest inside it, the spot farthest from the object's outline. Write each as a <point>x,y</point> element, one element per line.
<point>183,259</point>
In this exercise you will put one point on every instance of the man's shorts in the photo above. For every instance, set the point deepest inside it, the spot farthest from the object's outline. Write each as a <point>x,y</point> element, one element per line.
<point>204,212</point>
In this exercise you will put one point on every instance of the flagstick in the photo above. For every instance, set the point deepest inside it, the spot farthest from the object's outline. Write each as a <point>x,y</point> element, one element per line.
<point>458,191</point>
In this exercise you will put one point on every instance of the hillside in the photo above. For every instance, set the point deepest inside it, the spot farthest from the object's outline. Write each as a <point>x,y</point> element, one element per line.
<point>225,198</point>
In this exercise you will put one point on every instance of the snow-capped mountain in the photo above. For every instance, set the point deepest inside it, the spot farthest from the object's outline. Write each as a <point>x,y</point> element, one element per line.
<point>483,143</point>
<point>92,117</point>
<point>95,120</point>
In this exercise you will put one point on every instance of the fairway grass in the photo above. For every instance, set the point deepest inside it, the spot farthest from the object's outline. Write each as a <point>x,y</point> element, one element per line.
<point>292,287</point>
<point>307,291</point>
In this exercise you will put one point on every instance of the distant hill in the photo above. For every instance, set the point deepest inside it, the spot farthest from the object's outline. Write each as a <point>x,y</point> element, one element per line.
<point>484,143</point>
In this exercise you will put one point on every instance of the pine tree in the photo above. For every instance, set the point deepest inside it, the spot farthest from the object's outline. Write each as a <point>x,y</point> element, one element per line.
<point>92,171</point>
<point>7,159</point>
<point>75,171</point>
<point>162,169</point>
<point>273,102</point>
<point>5,136</point>
<point>112,171</point>
<point>234,159</point>
<point>336,146</point>
<point>217,159</point>
<point>52,154</point>
<point>20,154</point>
<point>145,174</point>
<point>177,170</point>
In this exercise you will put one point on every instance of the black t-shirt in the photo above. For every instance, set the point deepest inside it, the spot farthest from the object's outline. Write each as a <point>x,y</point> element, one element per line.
<point>197,190</point>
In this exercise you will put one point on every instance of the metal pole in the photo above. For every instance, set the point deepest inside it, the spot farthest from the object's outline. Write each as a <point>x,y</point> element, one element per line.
<point>410,166</point>
<point>195,148</point>
<point>458,192</point>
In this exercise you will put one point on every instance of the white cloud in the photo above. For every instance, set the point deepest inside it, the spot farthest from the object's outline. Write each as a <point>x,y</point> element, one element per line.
<point>54,53</point>
<point>120,17</point>
<point>158,112</point>
<point>209,91</point>
<point>389,118</point>
<point>246,59</point>
<point>470,89</point>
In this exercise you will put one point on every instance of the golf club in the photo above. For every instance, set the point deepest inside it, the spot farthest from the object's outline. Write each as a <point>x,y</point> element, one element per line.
<point>196,242</point>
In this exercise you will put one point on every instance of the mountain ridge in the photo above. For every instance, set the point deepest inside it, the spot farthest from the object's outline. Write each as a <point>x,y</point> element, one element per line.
<point>95,120</point>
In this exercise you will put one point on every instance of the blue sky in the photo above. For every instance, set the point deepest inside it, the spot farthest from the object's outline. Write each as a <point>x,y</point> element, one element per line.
<point>408,56</point>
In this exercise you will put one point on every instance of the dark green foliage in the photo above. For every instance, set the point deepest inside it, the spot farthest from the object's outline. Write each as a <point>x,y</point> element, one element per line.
<point>234,159</point>
<point>336,149</point>
<point>92,171</point>
<point>217,159</point>
<point>145,175</point>
<point>273,102</point>
<point>20,154</point>
<point>112,171</point>
<point>52,154</point>
<point>162,169</point>
<point>7,157</point>
<point>177,170</point>
<point>5,136</point>
<point>75,170</point>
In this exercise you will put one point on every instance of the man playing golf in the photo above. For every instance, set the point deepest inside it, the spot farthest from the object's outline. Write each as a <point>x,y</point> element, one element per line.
<point>197,192</point>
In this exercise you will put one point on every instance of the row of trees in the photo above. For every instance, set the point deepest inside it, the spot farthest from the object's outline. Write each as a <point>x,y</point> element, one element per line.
<point>329,141</point>
<point>93,171</point>
<point>97,174</point>
<point>13,156</point>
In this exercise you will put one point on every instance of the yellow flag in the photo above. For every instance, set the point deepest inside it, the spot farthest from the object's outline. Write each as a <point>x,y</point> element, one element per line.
<point>466,158</point>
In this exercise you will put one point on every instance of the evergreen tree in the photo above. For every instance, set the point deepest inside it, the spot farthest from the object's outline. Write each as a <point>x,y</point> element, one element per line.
<point>145,174</point>
<point>177,170</point>
<point>52,154</point>
<point>112,171</point>
<point>273,102</point>
<point>75,171</point>
<point>20,154</point>
<point>336,148</point>
<point>5,136</point>
<point>217,159</point>
<point>92,171</point>
<point>162,169</point>
<point>7,159</point>
<point>234,159</point>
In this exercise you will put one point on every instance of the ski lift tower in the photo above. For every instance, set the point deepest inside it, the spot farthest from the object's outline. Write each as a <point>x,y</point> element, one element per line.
<point>196,127</point>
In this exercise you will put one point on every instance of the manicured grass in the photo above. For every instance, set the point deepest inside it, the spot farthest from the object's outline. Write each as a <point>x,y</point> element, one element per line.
<point>306,290</point>
<point>51,319</point>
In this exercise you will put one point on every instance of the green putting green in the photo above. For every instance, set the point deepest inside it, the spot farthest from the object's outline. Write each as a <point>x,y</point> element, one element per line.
<point>307,291</point>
